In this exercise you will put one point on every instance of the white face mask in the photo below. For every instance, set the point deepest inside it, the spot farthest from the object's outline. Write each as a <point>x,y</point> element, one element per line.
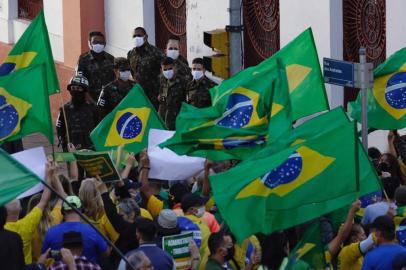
<point>168,74</point>
<point>200,211</point>
<point>197,74</point>
<point>138,41</point>
<point>174,54</point>
<point>97,48</point>
<point>125,75</point>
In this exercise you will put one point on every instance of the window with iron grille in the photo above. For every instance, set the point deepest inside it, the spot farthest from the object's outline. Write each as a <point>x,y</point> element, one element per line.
<point>28,9</point>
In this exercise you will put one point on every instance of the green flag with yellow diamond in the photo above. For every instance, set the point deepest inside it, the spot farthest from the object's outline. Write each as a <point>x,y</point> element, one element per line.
<point>387,99</point>
<point>24,104</point>
<point>309,252</point>
<point>277,190</point>
<point>306,83</point>
<point>236,126</point>
<point>33,48</point>
<point>128,124</point>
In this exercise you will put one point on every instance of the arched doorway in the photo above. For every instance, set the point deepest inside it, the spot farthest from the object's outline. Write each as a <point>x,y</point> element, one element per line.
<point>261,30</point>
<point>170,19</point>
<point>364,25</point>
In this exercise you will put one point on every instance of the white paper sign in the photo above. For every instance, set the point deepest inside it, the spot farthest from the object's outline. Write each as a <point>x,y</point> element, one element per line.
<point>166,164</point>
<point>35,160</point>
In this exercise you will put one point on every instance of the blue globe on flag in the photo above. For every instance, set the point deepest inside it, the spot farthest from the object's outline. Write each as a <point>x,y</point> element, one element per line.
<point>6,68</point>
<point>285,173</point>
<point>8,118</point>
<point>401,233</point>
<point>129,126</point>
<point>395,92</point>
<point>238,112</point>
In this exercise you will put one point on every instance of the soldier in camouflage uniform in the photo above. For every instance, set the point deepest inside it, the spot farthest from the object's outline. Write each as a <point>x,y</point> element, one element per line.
<point>114,92</point>
<point>145,61</point>
<point>96,65</point>
<point>198,89</point>
<point>180,62</point>
<point>171,94</point>
<point>81,116</point>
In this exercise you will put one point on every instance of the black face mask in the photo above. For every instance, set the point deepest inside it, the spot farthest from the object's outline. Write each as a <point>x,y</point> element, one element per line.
<point>78,98</point>
<point>230,253</point>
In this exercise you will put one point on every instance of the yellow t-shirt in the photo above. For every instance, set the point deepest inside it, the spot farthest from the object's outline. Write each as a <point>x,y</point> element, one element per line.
<point>205,234</point>
<point>154,206</point>
<point>26,227</point>
<point>145,214</point>
<point>350,257</point>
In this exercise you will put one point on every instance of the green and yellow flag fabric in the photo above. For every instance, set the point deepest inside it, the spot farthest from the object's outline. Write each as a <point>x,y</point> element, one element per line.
<point>284,187</point>
<point>387,99</point>
<point>24,104</point>
<point>236,126</point>
<point>128,124</point>
<point>33,48</point>
<point>309,252</point>
<point>305,80</point>
<point>15,178</point>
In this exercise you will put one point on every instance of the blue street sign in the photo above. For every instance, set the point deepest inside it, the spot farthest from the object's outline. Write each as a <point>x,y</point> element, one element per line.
<point>339,72</point>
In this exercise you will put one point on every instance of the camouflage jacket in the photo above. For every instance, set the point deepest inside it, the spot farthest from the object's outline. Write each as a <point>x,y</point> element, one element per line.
<point>99,72</point>
<point>145,65</point>
<point>172,94</point>
<point>198,92</point>
<point>112,94</point>
<point>81,120</point>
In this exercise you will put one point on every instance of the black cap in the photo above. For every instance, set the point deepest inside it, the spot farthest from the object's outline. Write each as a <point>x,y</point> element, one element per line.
<point>192,200</point>
<point>383,223</point>
<point>178,190</point>
<point>121,63</point>
<point>72,238</point>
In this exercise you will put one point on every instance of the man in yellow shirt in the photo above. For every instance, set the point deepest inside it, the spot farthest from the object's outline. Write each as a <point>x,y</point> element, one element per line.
<point>26,226</point>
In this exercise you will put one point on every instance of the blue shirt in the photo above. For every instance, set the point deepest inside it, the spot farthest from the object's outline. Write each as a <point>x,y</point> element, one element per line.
<point>93,243</point>
<point>160,259</point>
<point>381,258</point>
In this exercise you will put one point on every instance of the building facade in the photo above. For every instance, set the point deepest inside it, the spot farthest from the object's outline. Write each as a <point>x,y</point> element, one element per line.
<point>340,27</point>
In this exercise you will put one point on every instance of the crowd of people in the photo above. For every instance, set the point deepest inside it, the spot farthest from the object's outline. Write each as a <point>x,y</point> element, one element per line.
<point>46,232</point>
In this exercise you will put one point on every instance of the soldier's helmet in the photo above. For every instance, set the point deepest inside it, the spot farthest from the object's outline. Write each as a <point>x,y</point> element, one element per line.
<point>121,63</point>
<point>79,80</point>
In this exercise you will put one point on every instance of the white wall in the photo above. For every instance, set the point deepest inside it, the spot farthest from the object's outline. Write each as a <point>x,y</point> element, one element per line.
<point>8,12</point>
<point>121,17</point>
<point>203,16</point>
<point>395,26</point>
<point>54,20</point>
<point>325,19</point>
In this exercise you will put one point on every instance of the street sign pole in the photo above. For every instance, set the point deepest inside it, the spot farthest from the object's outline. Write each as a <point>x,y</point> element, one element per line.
<point>364,96</point>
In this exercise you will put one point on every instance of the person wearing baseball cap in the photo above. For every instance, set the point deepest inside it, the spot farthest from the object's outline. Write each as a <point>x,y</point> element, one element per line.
<point>382,257</point>
<point>94,245</point>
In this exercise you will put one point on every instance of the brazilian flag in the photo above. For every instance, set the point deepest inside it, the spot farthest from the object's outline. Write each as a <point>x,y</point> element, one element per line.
<point>15,178</point>
<point>276,190</point>
<point>387,99</point>
<point>236,126</point>
<point>128,124</point>
<point>305,81</point>
<point>24,104</point>
<point>309,252</point>
<point>33,48</point>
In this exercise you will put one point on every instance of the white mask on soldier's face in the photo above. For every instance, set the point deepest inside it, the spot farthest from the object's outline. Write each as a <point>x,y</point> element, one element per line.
<point>168,73</point>
<point>197,74</point>
<point>138,41</point>
<point>174,54</point>
<point>125,75</point>
<point>98,48</point>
